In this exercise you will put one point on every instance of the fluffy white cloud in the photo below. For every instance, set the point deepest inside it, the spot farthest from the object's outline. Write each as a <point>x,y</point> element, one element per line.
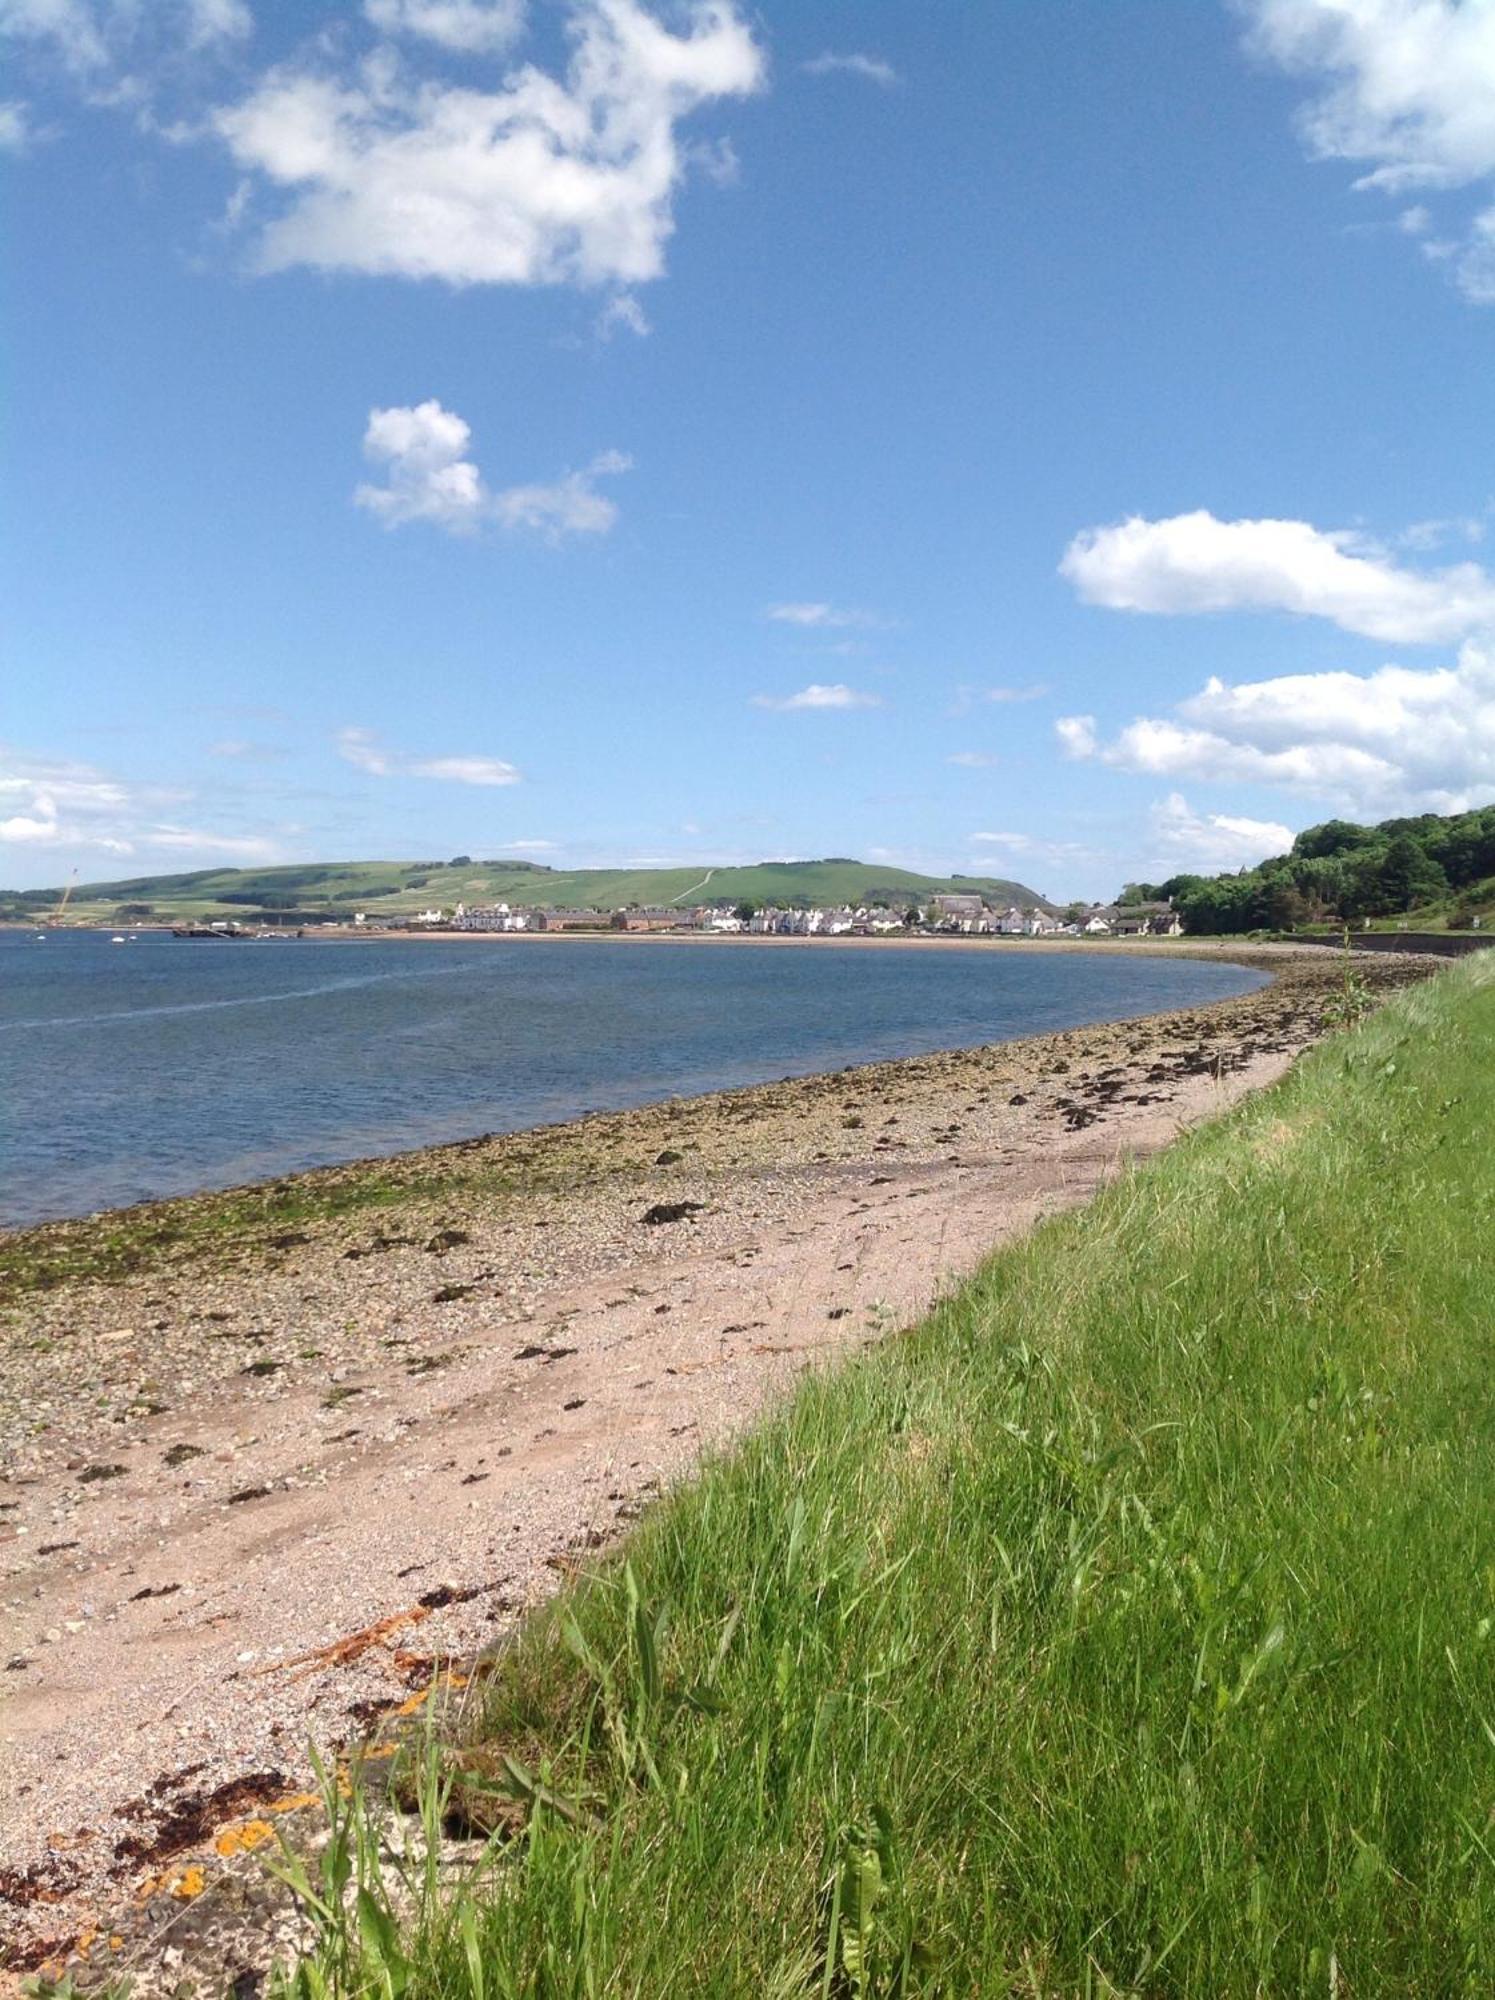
<point>817,695</point>
<point>430,477</point>
<point>53,803</point>
<point>363,749</point>
<point>1406,88</point>
<point>1394,740</point>
<point>1193,562</point>
<point>820,617</point>
<point>872,69</point>
<point>542,180</point>
<point>473,27</point>
<point>1205,843</point>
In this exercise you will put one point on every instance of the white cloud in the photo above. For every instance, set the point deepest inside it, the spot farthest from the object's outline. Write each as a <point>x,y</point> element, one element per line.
<point>1076,734</point>
<point>968,697</point>
<point>92,38</point>
<point>622,313</point>
<point>543,180</point>
<point>974,760</point>
<point>571,506</point>
<point>1405,88</point>
<point>430,477</point>
<point>820,617</point>
<point>872,69</point>
<point>56,803</point>
<point>1028,849</point>
<point>363,749</point>
<point>530,846</point>
<point>245,847</point>
<point>1397,739</point>
<point>467,770</point>
<point>472,27</point>
<point>1190,842</point>
<point>15,127</point>
<point>817,695</point>
<point>1193,562</point>
<point>1424,535</point>
<point>243,750</point>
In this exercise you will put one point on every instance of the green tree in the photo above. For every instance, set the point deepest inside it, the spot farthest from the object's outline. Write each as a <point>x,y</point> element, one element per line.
<point>1407,876</point>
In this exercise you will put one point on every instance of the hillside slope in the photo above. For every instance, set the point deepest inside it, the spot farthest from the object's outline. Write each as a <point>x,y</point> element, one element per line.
<point>390,888</point>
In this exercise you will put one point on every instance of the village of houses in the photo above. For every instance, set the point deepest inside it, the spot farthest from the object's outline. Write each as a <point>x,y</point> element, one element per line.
<point>958,915</point>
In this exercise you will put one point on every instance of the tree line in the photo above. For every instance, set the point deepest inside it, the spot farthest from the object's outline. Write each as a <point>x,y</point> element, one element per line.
<point>1343,873</point>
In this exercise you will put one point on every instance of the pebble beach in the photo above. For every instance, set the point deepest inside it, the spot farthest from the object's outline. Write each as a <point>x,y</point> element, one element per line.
<point>280,1460</point>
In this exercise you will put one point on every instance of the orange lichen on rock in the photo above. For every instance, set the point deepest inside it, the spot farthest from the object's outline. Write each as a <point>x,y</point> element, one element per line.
<point>189,1883</point>
<point>244,1838</point>
<point>343,1652</point>
<point>293,1802</point>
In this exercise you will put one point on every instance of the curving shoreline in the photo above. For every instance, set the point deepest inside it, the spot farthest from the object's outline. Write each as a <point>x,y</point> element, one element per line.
<point>245,1427</point>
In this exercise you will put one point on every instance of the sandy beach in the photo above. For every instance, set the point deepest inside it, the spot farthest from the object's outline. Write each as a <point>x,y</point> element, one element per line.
<point>276,1459</point>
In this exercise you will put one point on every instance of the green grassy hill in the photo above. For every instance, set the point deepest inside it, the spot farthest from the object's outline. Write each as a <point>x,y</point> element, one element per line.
<point>393,888</point>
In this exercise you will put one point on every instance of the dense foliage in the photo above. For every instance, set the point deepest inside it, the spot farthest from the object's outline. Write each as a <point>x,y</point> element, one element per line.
<point>1341,872</point>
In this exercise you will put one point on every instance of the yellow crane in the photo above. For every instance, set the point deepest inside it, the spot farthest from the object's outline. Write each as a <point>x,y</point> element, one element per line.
<point>62,900</point>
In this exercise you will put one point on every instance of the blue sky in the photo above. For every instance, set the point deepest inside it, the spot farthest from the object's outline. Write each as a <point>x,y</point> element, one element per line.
<point>1046,440</point>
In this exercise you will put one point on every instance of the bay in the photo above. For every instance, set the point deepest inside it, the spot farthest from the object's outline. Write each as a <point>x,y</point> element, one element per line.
<point>165,1066</point>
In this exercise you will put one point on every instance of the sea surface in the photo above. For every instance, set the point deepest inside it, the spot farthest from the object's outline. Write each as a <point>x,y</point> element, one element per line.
<point>165,1066</point>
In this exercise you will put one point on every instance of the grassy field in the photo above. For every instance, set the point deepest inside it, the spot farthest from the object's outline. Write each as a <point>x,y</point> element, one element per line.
<point>394,888</point>
<point>1125,1628</point>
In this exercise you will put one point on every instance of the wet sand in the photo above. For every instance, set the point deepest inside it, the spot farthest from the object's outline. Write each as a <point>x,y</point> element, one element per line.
<point>266,1477</point>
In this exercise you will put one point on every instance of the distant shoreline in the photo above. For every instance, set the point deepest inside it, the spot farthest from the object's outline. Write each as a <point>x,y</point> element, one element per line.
<point>1198,947</point>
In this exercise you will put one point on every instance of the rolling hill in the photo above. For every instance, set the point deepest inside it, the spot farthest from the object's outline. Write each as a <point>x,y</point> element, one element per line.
<point>395,888</point>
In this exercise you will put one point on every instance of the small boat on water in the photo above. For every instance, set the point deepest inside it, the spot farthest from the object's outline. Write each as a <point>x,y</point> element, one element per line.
<point>116,939</point>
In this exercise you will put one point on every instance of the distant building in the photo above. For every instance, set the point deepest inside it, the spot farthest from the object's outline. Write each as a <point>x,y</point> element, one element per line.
<point>498,917</point>
<point>570,920</point>
<point>964,908</point>
<point>1151,919</point>
<point>654,919</point>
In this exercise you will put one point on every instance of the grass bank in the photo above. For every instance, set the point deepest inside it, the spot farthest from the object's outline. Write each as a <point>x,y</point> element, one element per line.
<point>1124,1628</point>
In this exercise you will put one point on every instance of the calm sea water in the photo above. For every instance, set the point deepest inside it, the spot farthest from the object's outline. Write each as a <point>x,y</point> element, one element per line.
<point>166,1066</point>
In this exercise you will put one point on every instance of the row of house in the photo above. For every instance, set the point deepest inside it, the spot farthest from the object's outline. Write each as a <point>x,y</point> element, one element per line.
<point>952,914</point>
<point>971,916</point>
<point>1132,920</point>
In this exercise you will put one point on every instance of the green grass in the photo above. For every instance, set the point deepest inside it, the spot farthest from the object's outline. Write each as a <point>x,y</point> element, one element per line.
<point>383,888</point>
<point>1125,1628</point>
